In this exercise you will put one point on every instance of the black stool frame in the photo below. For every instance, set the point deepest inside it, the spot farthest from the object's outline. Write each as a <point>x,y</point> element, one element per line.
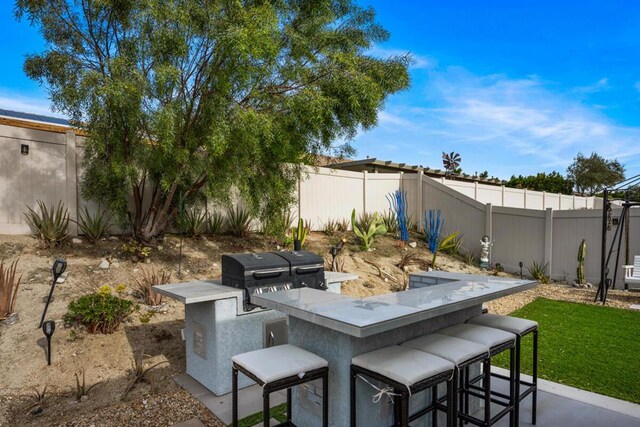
<point>531,387</point>
<point>284,383</point>
<point>401,401</point>
<point>468,388</point>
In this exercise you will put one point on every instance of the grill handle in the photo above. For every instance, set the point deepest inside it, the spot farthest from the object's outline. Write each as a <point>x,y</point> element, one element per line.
<point>267,274</point>
<point>307,270</point>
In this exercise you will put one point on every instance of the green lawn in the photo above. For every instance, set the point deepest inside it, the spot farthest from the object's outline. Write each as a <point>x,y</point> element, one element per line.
<point>590,347</point>
<point>278,412</point>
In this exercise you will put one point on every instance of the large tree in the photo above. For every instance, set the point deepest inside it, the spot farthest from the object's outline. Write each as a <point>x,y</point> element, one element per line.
<point>181,97</point>
<point>552,182</point>
<point>592,174</point>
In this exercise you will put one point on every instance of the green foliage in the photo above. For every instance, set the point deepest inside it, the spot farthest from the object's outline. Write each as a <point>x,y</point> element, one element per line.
<point>343,225</point>
<point>144,283</point>
<point>591,174</point>
<point>94,227</point>
<point>216,223</point>
<point>184,96</point>
<point>454,246</point>
<point>552,183</point>
<point>375,228</point>
<point>99,312</point>
<point>146,317</point>
<point>582,252</point>
<point>193,222</point>
<point>390,221</point>
<point>9,285</point>
<point>301,231</point>
<point>470,258</point>
<point>239,221</point>
<point>444,244</point>
<point>278,412</point>
<point>365,219</point>
<point>331,227</point>
<point>538,271</point>
<point>51,224</point>
<point>136,250</point>
<point>280,225</point>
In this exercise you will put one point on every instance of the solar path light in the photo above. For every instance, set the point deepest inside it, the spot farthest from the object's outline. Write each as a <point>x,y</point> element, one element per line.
<point>521,264</point>
<point>59,266</point>
<point>49,327</point>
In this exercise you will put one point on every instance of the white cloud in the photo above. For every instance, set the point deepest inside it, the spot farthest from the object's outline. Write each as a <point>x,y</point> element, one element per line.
<point>10,100</point>
<point>599,86</point>
<point>502,124</point>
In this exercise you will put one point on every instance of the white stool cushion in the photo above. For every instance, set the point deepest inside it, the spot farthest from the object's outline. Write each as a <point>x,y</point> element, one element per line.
<point>515,325</point>
<point>489,337</point>
<point>453,349</point>
<point>282,361</point>
<point>403,364</point>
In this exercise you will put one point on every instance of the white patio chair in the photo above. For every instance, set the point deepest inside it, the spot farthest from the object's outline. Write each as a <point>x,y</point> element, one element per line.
<point>632,274</point>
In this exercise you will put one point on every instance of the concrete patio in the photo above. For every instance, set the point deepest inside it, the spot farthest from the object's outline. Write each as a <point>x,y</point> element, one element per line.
<point>558,405</point>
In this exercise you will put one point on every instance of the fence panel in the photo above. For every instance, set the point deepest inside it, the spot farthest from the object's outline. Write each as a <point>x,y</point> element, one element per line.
<point>518,235</point>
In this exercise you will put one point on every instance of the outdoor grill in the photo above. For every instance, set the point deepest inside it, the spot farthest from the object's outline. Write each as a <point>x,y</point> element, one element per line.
<point>258,273</point>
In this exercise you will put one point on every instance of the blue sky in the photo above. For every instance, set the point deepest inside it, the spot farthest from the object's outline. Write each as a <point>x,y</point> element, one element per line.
<point>515,87</point>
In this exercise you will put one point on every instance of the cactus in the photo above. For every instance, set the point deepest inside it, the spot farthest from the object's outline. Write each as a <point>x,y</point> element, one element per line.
<point>582,251</point>
<point>300,233</point>
<point>376,228</point>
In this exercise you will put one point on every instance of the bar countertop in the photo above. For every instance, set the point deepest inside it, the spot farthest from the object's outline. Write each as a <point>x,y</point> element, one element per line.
<point>363,317</point>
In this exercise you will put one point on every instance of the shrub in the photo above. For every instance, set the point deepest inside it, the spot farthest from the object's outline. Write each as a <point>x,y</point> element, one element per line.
<point>454,246</point>
<point>193,222</point>
<point>216,223</point>
<point>330,227</point>
<point>301,231</point>
<point>343,225</point>
<point>538,271</point>
<point>51,224</point>
<point>364,220</point>
<point>99,312</point>
<point>96,226</point>
<point>367,235</point>
<point>8,288</point>
<point>390,221</point>
<point>137,250</point>
<point>239,221</point>
<point>144,283</point>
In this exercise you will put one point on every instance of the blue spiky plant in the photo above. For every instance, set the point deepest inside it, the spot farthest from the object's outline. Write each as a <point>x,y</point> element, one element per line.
<point>399,206</point>
<point>433,229</point>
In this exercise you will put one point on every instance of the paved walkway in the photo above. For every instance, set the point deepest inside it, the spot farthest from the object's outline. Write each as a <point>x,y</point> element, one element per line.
<point>558,405</point>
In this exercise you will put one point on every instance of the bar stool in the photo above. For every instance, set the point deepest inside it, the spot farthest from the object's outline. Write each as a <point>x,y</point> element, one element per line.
<point>497,341</point>
<point>278,368</point>
<point>461,353</point>
<point>406,371</point>
<point>519,327</point>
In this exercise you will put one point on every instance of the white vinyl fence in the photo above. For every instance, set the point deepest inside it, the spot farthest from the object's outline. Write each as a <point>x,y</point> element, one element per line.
<point>525,225</point>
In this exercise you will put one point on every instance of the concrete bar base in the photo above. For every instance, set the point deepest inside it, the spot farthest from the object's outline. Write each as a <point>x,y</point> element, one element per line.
<point>338,349</point>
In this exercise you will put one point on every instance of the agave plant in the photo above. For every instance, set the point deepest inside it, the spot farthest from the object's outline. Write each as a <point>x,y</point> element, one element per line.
<point>216,223</point>
<point>443,245</point>
<point>368,235</point>
<point>538,271</point>
<point>330,227</point>
<point>301,232</point>
<point>193,222</point>
<point>390,221</point>
<point>51,224</point>
<point>96,226</point>
<point>239,221</point>
<point>9,285</point>
<point>144,285</point>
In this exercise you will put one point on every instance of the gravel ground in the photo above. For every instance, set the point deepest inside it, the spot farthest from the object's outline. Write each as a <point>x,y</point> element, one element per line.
<point>562,292</point>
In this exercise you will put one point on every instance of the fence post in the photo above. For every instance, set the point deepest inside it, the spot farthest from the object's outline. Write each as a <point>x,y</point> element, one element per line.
<point>548,238</point>
<point>364,191</point>
<point>502,195</point>
<point>574,201</point>
<point>544,200</point>
<point>419,207</point>
<point>71,181</point>
<point>299,197</point>
<point>475,190</point>
<point>488,225</point>
<point>525,195</point>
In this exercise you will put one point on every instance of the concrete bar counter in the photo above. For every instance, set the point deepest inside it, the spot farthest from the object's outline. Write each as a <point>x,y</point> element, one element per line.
<point>338,327</point>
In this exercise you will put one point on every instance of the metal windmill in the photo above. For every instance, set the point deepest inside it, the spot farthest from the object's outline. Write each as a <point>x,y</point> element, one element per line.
<point>451,161</point>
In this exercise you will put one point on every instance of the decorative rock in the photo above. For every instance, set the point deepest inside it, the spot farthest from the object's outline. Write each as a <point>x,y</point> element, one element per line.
<point>160,248</point>
<point>104,264</point>
<point>76,240</point>
<point>84,398</point>
<point>413,244</point>
<point>635,307</point>
<point>113,238</point>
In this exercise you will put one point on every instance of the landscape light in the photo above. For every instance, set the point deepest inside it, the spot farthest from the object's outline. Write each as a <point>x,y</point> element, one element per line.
<point>521,264</point>
<point>49,327</point>
<point>59,267</point>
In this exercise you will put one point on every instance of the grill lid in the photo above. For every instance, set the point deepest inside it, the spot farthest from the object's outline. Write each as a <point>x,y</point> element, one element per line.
<point>301,258</point>
<point>248,263</point>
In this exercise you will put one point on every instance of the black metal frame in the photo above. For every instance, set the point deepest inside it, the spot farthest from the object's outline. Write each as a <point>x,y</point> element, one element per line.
<point>605,282</point>
<point>281,384</point>
<point>403,393</point>
<point>468,388</point>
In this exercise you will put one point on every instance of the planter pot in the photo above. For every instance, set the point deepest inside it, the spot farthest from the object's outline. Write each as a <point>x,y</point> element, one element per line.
<point>297,245</point>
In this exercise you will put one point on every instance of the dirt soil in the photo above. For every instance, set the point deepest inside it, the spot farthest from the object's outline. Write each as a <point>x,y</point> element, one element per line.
<point>107,359</point>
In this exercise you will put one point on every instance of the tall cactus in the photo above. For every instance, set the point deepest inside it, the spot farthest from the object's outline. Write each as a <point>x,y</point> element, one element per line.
<point>582,251</point>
